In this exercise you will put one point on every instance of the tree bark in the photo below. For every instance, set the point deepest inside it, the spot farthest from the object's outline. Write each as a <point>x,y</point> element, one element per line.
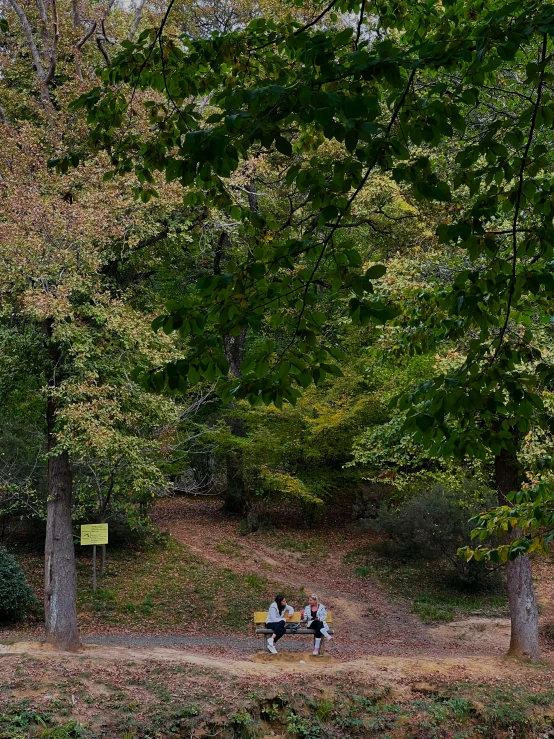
<point>60,571</point>
<point>60,575</point>
<point>524,641</point>
<point>44,75</point>
<point>137,19</point>
<point>236,493</point>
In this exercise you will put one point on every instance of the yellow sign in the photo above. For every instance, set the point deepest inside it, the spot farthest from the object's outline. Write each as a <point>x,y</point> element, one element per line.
<point>94,533</point>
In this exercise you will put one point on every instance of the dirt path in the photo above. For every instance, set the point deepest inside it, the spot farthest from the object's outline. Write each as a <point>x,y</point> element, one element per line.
<point>362,612</point>
<point>398,669</point>
<point>375,633</point>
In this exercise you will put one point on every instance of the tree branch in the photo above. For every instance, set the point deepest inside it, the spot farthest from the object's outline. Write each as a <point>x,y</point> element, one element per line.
<point>28,31</point>
<point>92,28</point>
<point>100,44</point>
<point>345,211</point>
<point>55,40</point>
<point>76,14</point>
<point>519,194</point>
<point>304,27</point>
<point>44,24</point>
<point>361,20</point>
<point>136,20</point>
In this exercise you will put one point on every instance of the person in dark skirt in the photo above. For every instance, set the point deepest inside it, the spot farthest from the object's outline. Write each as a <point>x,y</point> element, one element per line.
<point>315,614</point>
<point>277,617</point>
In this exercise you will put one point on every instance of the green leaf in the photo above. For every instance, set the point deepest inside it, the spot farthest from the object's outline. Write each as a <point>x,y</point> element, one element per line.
<point>425,421</point>
<point>283,146</point>
<point>375,272</point>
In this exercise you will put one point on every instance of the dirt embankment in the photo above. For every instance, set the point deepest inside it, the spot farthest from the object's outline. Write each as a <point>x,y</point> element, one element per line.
<point>114,693</point>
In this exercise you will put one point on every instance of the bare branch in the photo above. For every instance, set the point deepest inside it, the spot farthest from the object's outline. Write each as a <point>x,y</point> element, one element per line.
<point>91,29</point>
<point>360,22</point>
<point>137,19</point>
<point>76,13</point>
<point>56,38</point>
<point>28,31</point>
<point>100,44</point>
<point>44,24</point>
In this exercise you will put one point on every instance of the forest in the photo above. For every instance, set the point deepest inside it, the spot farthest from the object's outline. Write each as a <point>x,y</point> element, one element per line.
<point>277,307</point>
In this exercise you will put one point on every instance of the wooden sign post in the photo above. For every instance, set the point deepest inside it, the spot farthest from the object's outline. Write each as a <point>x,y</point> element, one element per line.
<point>94,533</point>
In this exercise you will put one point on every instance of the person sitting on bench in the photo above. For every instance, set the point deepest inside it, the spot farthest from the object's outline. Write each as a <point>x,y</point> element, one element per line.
<point>315,614</point>
<point>279,614</point>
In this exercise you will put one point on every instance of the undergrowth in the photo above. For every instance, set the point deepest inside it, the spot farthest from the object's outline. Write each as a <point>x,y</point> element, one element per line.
<point>464,711</point>
<point>434,597</point>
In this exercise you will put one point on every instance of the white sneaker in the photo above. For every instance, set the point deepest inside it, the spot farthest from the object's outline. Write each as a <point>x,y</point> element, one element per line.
<point>271,647</point>
<point>315,652</point>
<point>327,637</point>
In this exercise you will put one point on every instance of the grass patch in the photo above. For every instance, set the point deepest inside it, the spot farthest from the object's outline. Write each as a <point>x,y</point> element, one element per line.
<point>434,598</point>
<point>232,548</point>
<point>433,609</point>
<point>158,589</point>
<point>162,588</point>
<point>311,550</point>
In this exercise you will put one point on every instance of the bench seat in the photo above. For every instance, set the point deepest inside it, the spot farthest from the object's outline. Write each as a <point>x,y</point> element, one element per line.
<point>304,632</point>
<point>260,618</point>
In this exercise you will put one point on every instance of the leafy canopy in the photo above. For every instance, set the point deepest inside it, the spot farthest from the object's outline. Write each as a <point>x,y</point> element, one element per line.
<point>452,100</point>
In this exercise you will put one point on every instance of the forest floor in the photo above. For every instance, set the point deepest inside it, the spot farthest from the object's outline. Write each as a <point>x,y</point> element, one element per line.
<point>199,592</point>
<point>185,610</point>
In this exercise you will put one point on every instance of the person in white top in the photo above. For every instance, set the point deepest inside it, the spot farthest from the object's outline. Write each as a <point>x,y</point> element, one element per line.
<point>277,617</point>
<point>315,614</point>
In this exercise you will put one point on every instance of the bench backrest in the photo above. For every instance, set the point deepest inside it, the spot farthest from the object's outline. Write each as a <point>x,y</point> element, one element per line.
<point>260,617</point>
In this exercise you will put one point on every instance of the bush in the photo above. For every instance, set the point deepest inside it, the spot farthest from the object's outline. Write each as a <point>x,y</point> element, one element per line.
<point>433,524</point>
<point>16,597</point>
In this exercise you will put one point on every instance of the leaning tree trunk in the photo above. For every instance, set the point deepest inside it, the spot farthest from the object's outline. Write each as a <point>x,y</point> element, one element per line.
<point>60,571</point>
<point>524,641</point>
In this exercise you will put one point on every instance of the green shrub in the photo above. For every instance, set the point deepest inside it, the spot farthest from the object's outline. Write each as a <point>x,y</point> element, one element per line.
<point>242,725</point>
<point>302,728</point>
<point>433,524</point>
<point>16,597</point>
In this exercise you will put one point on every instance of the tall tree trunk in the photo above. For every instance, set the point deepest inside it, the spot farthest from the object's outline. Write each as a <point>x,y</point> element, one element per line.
<point>524,641</point>
<point>60,571</point>
<point>236,492</point>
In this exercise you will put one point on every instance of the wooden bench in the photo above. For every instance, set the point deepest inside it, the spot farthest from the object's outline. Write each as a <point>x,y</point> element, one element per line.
<point>260,619</point>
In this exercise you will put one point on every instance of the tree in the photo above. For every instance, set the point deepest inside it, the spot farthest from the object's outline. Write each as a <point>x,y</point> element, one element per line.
<point>431,95</point>
<point>64,245</point>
